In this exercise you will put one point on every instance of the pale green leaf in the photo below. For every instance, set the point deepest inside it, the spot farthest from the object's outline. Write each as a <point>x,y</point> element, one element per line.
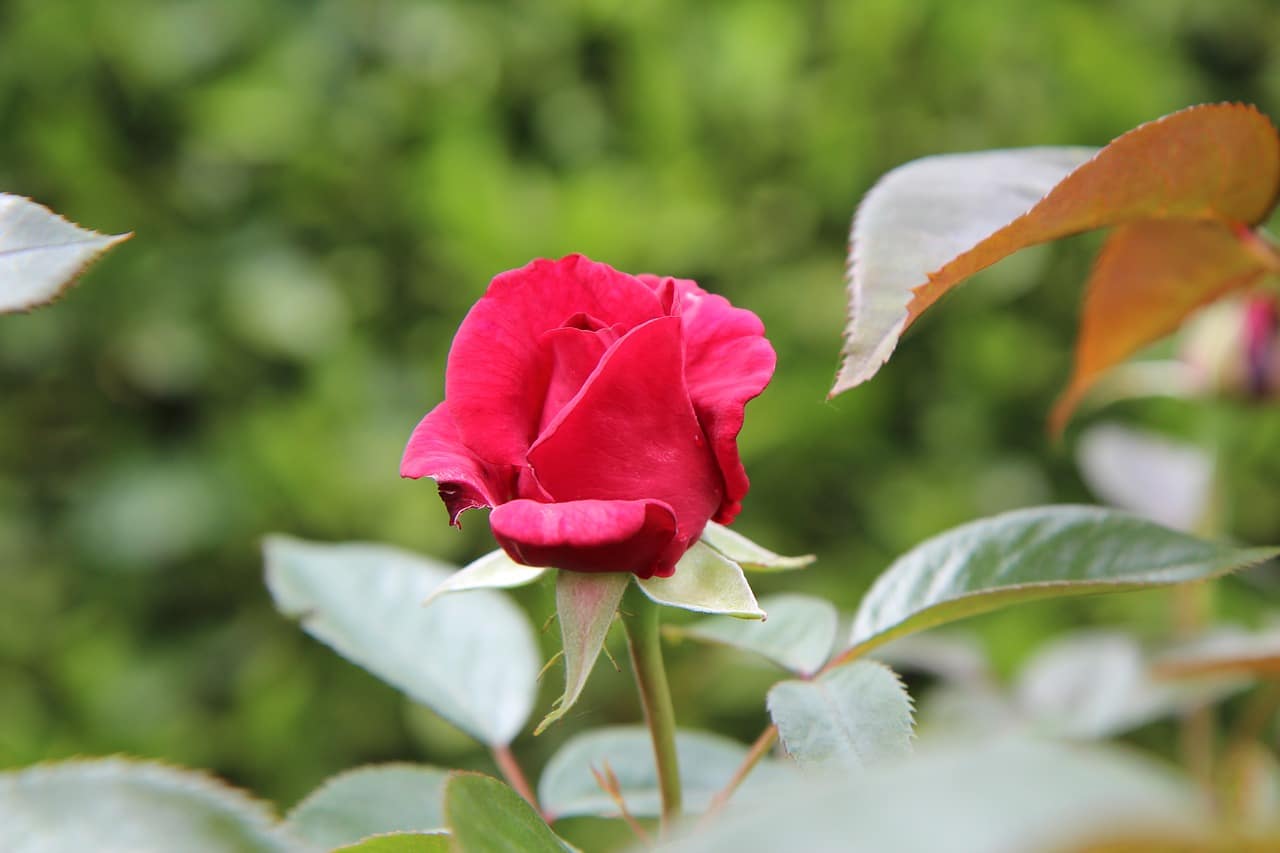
<point>585,606</point>
<point>852,717</point>
<point>370,800</point>
<point>748,554</point>
<point>798,635</point>
<point>494,570</point>
<point>1146,474</point>
<point>365,602</point>
<point>401,842</point>
<point>41,254</point>
<point>486,816</point>
<point>707,763</point>
<point>919,217</point>
<point>1032,554</point>
<point>1224,651</point>
<point>117,806</point>
<point>980,796</point>
<point>705,581</point>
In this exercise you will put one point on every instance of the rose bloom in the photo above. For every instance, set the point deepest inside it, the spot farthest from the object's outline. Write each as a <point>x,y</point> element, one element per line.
<point>597,413</point>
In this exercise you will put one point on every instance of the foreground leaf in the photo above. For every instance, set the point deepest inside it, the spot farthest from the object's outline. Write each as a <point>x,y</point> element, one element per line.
<point>932,223</point>
<point>486,816</point>
<point>1032,554</point>
<point>41,254</point>
<point>370,800</point>
<point>977,797</point>
<point>118,806</point>
<point>494,570</point>
<point>585,606</point>
<point>1150,277</point>
<point>401,842</point>
<point>705,581</point>
<point>748,554</point>
<point>707,763</point>
<point>364,601</point>
<point>852,717</point>
<point>798,635</point>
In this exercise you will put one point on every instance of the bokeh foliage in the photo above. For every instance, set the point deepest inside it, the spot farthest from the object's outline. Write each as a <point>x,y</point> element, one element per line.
<point>321,189</point>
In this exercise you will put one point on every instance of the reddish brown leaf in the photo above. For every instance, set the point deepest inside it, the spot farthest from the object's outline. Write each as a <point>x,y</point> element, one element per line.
<point>1213,162</point>
<point>1149,277</point>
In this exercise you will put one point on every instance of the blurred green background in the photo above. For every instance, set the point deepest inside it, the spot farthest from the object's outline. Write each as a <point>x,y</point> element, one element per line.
<point>320,190</point>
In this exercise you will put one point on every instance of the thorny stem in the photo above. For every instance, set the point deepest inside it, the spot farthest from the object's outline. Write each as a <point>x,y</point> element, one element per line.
<point>640,620</point>
<point>514,775</point>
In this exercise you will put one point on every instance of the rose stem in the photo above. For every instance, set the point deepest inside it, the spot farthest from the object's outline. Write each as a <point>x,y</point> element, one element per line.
<point>514,775</point>
<point>640,620</point>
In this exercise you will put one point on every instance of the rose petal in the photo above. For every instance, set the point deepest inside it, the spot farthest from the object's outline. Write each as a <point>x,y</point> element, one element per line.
<point>631,433</point>
<point>572,354</point>
<point>496,375</point>
<point>588,536</point>
<point>728,362</point>
<point>435,451</point>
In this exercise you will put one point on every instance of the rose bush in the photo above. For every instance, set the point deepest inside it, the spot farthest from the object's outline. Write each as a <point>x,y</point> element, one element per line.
<point>597,412</point>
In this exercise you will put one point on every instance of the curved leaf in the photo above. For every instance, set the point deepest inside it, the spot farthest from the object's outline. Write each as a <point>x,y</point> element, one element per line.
<point>585,606</point>
<point>1149,278</point>
<point>705,581</point>
<point>707,763</point>
<point>1031,554</point>
<point>371,800</point>
<point>485,816</point>
<point>932,223</point>
<point>494,570</point>
<point>364,602</point>
<point>118,806</point>
<point>798,635</point>
<point>41,254</point>
<point>853,716</point>
<point>748,554</point>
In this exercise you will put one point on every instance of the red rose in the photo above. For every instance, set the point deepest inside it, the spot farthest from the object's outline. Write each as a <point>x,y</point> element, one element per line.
<point>597,412</point>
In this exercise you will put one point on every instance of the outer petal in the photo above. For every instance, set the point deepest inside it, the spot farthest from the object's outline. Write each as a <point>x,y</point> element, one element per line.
<point>728,361</point>
<point>631,433</point>
<point>497,375</point>
<point>586,536</point>
<point>435,451</point>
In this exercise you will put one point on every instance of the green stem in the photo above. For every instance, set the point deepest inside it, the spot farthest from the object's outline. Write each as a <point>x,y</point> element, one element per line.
<point>640,619</point>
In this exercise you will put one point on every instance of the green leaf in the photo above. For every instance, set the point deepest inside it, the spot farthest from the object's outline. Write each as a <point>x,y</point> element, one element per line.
<point>918,218</point>
<point>370,800</point>
<point>585,606</point>
<point>485,816</point>
<point>798,635</point>
<point>494,570</point>
<point>852,717</point>
<point>705,581</point>
<point>707,763</point>
<point>111,805</point>
<point>41,253</point>
<point>1032,554</point>
<point>401,842</point>
<point>1096,684</point>
<point>973,797</point>
<point>1147,474</point>
<point>365,602</point>
<point>748,554</point>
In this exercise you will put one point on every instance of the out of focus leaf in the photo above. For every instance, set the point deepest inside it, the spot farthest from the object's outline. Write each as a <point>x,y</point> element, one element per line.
<point>707,763</point>
<point>932,223</point>
<point>748,554</point>
<point>980,797</point>
<point>585,607</point>
<point>485,816</point>
<point>370,800</point>
<point>118,806</point>
<point>798,635</point>
<point>1147,474</point>
<point>1151,276</point>
<point>705,581</point>
<point>401,842</point>
<point>41,254</point>
<point>1032,554</point>
<point>1224,651</point>
<point>494,570</point>
<point>852,717</point>
<point>365,602</point>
